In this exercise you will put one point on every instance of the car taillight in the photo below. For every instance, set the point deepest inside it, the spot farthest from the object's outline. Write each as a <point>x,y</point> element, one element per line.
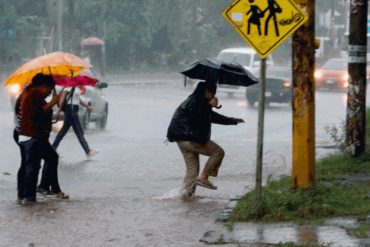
<point>13,89</point>
<point>287,84</point>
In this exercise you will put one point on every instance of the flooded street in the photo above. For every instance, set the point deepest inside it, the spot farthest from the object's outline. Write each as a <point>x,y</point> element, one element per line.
<point>128,194</point>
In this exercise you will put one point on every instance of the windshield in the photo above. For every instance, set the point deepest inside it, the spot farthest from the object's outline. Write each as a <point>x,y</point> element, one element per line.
<point>228,57</point>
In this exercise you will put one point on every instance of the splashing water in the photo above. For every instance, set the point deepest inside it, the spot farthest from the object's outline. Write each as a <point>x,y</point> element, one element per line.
<point>172,194</point>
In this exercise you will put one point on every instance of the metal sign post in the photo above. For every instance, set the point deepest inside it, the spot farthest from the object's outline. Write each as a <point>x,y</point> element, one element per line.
<point>261,124</point>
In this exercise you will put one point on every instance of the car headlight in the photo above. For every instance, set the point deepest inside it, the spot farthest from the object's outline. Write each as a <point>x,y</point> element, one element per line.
<point>345,76</point>
<point>14,89</point>
<point>287,84</point>
<point>317,74</point>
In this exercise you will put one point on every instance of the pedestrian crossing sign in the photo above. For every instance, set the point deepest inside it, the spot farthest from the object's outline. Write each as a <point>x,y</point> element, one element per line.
<point>264,24</point>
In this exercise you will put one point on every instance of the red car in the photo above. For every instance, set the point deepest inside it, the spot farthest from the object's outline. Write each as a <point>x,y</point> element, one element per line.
<point>333,74</point>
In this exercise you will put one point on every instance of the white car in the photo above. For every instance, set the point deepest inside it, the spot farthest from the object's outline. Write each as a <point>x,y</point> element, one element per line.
<point>245,56</point>
<point>95,97</point>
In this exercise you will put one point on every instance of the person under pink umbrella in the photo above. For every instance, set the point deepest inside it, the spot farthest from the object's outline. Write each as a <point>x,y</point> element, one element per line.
<point>69,103</point>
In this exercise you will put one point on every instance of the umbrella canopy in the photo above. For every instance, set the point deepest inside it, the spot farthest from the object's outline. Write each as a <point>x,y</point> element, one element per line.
<point>91,41</point>
<point>79,80</point>
<point>223,73</point>
<point>56,64</point>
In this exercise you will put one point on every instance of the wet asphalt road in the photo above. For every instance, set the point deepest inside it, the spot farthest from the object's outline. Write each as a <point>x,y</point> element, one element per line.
<point>128,194</point>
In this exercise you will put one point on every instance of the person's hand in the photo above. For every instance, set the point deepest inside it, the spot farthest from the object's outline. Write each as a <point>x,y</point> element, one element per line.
<point>239,120</point>
<point>55,98</point>
<point>89,108</point>
<point>213,102</point>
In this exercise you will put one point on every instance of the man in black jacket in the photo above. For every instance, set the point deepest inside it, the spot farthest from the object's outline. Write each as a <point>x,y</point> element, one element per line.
<point>190,127</point>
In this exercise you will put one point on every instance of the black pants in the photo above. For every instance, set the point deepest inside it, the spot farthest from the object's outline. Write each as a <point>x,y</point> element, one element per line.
<point>71,119</point>
<point>34,151</point>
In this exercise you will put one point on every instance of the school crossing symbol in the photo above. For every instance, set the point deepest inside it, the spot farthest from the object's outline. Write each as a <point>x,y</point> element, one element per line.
<point>264,24</point>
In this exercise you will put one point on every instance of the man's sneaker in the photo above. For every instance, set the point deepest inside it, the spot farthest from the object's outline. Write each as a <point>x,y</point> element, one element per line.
<point>92,153</point>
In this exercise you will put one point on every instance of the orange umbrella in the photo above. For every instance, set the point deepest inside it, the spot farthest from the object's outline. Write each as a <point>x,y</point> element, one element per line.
<point>56,64</point>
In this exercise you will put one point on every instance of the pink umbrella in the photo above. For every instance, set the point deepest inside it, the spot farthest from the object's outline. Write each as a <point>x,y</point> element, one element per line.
<point>79,80</point>
<point>91,41</point>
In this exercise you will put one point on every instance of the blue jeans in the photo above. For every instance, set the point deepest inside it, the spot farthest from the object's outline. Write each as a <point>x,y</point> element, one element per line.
<point>71,119</point>
<point>34,151</point>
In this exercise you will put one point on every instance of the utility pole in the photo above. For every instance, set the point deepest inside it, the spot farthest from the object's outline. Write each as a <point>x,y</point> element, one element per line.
<point>303,172</point>
<point>356,100</point>
<point>71,26</point>
<point>59,25</point>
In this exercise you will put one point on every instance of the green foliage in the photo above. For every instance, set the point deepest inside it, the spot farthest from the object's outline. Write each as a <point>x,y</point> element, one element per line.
<point>361,231</point>
<point>280,203</point>
<point>138,34</point>
<point>19,25</point>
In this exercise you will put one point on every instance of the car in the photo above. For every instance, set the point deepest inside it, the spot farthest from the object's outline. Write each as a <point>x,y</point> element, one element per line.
<point>278,86</point>
<point>92,95</point>
<point>333,74</point>
<point>245,56</point>
<point>95,97</point>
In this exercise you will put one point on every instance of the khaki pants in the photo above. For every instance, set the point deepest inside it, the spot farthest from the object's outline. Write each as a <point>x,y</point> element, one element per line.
<point>191,151</point>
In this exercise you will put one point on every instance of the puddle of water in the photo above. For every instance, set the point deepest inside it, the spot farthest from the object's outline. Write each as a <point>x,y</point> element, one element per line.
<point>283,233</point>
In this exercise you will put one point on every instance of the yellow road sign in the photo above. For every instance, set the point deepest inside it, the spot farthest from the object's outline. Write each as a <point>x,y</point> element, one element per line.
<point>264,24</point>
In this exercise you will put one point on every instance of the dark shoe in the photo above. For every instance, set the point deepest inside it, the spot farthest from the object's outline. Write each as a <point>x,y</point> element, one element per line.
<point>206,184</point>
<point>44,191</point>
<point>26,201</point>
<point>92,153</point>
<point>19,200</point>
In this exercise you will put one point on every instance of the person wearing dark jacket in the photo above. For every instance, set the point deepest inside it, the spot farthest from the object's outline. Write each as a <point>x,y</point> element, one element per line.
<point>190,128</point>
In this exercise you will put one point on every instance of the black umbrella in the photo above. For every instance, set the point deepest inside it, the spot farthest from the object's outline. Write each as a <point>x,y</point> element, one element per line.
<point>212,69</point>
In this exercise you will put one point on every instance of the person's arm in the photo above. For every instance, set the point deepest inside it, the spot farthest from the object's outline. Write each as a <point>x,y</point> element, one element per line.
<point>54,100</point>
<point>224,120</point>
<point>83,103</point>
<point>62,99</point>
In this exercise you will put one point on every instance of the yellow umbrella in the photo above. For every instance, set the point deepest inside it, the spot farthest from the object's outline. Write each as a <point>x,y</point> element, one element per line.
<point>55,63</point>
